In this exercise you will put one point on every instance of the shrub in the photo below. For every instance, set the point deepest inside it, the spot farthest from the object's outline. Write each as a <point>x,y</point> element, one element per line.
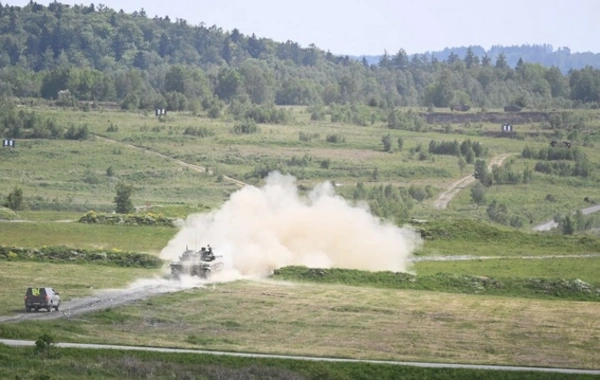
<point>336,139</point>
<point>198,131</point>
<point>247,126</point>
<point>147,219</point>
<point>307,137</point>
<point>70,255</point>
<point>14,201</point>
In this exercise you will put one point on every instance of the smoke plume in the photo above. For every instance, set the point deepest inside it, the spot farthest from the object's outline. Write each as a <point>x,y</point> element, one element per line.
<point>261,229</point>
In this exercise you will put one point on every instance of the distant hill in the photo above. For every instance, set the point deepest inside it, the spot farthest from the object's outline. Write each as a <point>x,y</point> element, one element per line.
<point>90,54</point>
<point>544,54</point>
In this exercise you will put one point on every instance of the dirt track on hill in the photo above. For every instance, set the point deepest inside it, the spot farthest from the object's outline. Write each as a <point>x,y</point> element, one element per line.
<point>445,198</point>
<point>197,168</point>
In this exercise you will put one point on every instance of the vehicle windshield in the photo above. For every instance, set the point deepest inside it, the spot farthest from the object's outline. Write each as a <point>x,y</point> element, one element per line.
<point>36,292</point>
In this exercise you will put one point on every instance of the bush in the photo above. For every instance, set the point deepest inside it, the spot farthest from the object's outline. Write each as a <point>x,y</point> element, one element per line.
<point>446,282</point>
<point>14,201</point>
<point>122,198</point>
<point>77,255</point>
<point>387,142</point>
<point>198,131</point>
<point>148,219</point>
<point>7,214</point>
<point>336,139</point>
<point>247,126</point>
<point>408,121</point>
<point>307,137</point>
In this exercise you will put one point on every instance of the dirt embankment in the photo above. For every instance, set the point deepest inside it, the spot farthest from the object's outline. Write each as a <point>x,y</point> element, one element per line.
<point>485,117</point>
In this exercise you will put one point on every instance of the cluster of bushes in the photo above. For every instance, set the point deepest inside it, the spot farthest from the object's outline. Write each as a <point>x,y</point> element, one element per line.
<point>389,202</point>
<point>308,137</point>
<point>581,168</point>
<point>148,219</point>
<point>260,113</point>
<point>564,169</point>
<point>501,175</point>
<point>246,127</point>
<point>28,124</point>
<point>335,138</point>
<point>407,121</point>
<point>198,131</point>
<point>78,255</point>
<point>578,222</point>
<point>498,212</point>
<point>573,289</point>
<point>303,161</point>
<point>467,149</point>
<point>554,154</point>
<point>387,142</point>
<point>349,114</point>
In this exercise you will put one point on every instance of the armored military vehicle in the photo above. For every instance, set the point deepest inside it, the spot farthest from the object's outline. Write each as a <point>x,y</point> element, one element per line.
<point>202,263</point>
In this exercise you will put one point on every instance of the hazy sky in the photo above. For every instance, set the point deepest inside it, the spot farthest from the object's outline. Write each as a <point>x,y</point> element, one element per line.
<point>368,27</point>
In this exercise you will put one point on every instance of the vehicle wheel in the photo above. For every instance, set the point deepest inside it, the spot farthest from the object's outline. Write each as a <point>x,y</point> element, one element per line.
<point>28,309</point>
<point>56,307</point>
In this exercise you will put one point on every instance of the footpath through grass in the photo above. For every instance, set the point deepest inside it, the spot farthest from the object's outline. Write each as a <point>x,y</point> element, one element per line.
<point>63,363</point>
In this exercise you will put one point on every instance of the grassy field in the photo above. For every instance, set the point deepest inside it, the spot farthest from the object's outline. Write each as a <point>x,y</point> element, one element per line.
<point>79,235</point>
<point>342,321</point>
<point>101,364</point>
<point>71,175</point>
<point>61,180</point>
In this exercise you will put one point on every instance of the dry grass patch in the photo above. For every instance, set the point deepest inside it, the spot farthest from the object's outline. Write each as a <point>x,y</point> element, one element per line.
<point>354,322</point>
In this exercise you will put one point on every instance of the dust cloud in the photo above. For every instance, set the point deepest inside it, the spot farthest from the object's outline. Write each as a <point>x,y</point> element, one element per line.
<point>261,229</point>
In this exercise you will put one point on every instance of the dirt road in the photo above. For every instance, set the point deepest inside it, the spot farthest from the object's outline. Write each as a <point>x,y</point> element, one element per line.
<point>551,224</point>
<point>197,168</point>
<point>27,343</point>
<point>104,299</point>
<point>468,257</point>
<point>444,198</point>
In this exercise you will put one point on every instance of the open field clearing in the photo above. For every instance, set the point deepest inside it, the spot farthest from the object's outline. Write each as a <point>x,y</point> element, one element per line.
<point>332,320</point>
<point>72,175</point>
<point>150,239</point>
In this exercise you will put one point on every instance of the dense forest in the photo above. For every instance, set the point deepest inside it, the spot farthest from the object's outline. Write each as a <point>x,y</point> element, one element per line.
<point>544,54</point>
<point>94,53</point>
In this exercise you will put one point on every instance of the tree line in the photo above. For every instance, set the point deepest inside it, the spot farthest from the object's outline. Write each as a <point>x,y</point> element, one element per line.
<point>95,53</point>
